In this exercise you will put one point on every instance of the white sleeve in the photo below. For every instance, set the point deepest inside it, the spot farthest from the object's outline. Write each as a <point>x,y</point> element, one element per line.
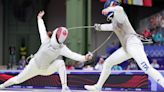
<point>106,27</point>
<point>42,30</point>
<point>65,51</point>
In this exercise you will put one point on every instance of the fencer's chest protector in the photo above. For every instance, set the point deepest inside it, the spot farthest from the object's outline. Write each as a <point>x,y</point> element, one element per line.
<point>50,50</point>
<point>122,26</point>
<point>46,55</point>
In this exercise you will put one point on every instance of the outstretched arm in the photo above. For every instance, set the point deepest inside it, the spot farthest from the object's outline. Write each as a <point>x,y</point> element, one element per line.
<point>75,56</point>
<point>42,28</point>
<point>104,27</point>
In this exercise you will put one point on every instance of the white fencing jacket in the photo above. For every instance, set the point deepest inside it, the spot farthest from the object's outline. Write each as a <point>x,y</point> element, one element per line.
<point>120,25</point>
<point>50,49</point>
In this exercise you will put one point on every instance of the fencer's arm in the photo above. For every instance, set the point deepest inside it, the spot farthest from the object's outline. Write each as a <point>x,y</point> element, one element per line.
<point>106,27</point>
<point>42,29</point>
<point>103,27</point>
<point>65,51</point>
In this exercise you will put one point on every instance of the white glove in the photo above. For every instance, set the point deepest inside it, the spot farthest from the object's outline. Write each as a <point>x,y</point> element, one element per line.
<point>88,56</point>
<point>97,26</point>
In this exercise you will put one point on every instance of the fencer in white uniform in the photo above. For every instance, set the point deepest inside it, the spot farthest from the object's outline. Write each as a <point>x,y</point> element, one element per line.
<point>132,46</point>
<point>45,62</point>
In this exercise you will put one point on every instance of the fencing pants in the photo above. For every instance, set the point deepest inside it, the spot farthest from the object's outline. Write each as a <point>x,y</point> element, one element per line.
<point>32,70</point>
<point>134,49</point>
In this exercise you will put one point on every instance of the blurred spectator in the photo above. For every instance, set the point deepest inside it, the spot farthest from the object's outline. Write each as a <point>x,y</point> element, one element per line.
<point>88,67</point>
<point>158,38</point>
<point>70,67</point>
<point>99,65</point>
<point>158,18</point>
<point>162,25</point>
<point>146,33</point>
<point>9,66</point>
<point>23,49</point>
<point>155,63</point>
<point>22,63</point>
<point>109,50</point>
<point>154,28</point>
<point>132,65</point>
<point>79,65</point>
<point>117,67</point>
<point>100,58</point>
<point>162,22</point>
<point>12,57</point>
<point>153,23</point>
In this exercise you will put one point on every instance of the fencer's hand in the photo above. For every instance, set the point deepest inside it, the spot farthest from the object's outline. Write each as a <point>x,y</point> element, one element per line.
<point>41,14</point>
<point>97,26</point>
<point>88,56</point>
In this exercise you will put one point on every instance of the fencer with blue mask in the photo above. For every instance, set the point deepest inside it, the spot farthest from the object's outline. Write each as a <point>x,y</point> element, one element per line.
<point>132,46</point>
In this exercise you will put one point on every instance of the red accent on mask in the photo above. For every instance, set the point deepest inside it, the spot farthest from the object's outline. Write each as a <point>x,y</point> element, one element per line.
<point>64,33</point>
<point>59,32</point>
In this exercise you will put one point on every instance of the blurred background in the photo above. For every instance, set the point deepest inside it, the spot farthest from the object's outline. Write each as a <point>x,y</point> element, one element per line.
<point>19,36</point>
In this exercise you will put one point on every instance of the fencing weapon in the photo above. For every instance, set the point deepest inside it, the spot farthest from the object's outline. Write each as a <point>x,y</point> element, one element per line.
<point>86,27</point>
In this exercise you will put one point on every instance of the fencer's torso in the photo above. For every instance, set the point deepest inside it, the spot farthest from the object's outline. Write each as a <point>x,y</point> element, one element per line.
<point>46,55</point>
<point>122,26</point>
